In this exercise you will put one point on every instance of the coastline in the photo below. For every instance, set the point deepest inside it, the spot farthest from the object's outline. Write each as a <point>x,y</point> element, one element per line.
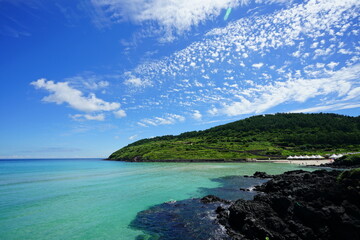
<point>296,205</point>
<point>183,160</point>
<point>300,162</point>
<point>297,162</point>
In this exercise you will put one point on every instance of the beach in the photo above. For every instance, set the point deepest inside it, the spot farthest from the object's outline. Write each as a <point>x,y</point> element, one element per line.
<point>299,162</point>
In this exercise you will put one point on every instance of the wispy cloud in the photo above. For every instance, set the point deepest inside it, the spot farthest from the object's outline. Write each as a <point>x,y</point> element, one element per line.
<point>90,81</point>
<point>137,82</point>
<point>171,17</point>
<point>133,137</point>
<point>168,119</point>
<point>332,107</point>
<point>250,66</point>
<point>81,117</point>
<point>297,90</point>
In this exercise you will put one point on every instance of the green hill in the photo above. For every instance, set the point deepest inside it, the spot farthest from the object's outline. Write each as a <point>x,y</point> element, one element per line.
<point>261,137</point>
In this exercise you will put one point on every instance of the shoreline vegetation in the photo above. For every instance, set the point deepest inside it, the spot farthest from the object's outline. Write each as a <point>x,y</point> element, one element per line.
<point>298,162</point>
<point>264,137</point>
<point>296,205</point>
<point>344,162</point>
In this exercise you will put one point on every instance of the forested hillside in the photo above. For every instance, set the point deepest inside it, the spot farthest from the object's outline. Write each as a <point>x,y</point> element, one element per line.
<point>263,136</point>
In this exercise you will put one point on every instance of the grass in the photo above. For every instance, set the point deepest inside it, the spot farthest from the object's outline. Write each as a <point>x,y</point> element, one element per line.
<point>349,175</point>
<point>196,149</point>
<point>261,137</point>
<point>349,160</point>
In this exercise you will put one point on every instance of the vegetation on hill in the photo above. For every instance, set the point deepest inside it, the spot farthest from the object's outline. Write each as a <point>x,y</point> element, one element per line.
<point>351,176</point>
<point>348,161</point>
<point>263,136</point>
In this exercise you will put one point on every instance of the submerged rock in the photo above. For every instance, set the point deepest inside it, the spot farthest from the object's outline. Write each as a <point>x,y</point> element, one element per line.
<point>212,199</point>
<point>298,205</point>
<point>193,218</point>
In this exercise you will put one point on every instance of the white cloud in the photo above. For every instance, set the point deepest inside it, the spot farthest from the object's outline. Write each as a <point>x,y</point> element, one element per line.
<point>99,117</point>
<point>137,82</point>
<point>61,93</point>
<point>173,17</point>
<point>133,137</point>
<point>353,94</point>
<point>90,81</point>
<point>168,119</point>
<point>196,115</point>
<point>344,51</point>
<point>299,90</point>
<point>120,113</point>
<point>101,84</point>
<point>213,111</point>
<point>267,41</point>
<point>333,107</point>
<point>274,1</point>
<point>255,35</point>
<point>258,65</point>
<point>297,53</point>
<point>177,117</point>
<point>162,121</point>
<point>314,45</point>
<point>81,117</point>
<point>332,65</point>
<point>198,84</point>
<point>142,124</point>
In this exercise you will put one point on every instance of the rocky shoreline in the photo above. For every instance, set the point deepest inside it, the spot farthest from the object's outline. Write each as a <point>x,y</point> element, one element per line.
<point>296,205</point>
<point>340,165</point>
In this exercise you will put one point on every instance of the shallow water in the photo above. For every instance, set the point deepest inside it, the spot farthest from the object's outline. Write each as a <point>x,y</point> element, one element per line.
<point>95,199</point>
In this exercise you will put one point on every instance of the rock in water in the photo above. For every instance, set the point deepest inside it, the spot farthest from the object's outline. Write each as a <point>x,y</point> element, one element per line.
<point>298,205</point>
<point>262,175</point>
<point>212,199</point>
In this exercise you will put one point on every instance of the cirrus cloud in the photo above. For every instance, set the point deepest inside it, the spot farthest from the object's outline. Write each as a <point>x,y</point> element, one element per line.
<point>168,119</point>
<point>174,17</point>
<point>342,83</point>
<point>250,65</point>
<point>82,117</point>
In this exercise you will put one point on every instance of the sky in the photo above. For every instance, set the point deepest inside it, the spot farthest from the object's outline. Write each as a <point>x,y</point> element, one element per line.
<point>85,78</point>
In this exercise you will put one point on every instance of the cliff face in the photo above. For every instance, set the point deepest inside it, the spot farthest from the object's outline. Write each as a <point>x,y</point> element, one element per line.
<point>262,137</point>
<point>299,205</point>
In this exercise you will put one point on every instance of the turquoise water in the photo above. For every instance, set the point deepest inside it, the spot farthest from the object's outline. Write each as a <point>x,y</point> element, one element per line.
<point>95,199</point>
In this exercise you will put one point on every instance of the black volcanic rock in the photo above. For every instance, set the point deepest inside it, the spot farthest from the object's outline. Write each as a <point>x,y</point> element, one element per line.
<point>262,175</point>
<point>298,205</point>
<point>212,199</point>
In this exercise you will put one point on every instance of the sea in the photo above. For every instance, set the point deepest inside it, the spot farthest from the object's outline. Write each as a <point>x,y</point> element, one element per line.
<point>98,199</point>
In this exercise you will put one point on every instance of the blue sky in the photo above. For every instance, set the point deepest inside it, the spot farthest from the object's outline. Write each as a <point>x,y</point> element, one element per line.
<point>84,78</point>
